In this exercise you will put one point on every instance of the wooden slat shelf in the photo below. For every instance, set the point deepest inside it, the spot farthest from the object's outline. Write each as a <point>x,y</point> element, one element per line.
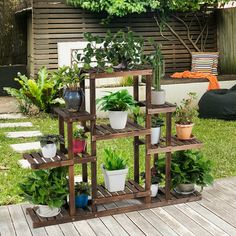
<point>83,214</point>
<point>74,116</point>
<point>37,161</point>
<point>132,190</point>
<point>157,109</point>
<point>104,132</point>
<point>176,145</point>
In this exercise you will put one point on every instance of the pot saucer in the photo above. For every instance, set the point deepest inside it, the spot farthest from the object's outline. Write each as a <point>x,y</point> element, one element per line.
<point>37,211</point>
<point>189,139</point>
<point>183,193</point>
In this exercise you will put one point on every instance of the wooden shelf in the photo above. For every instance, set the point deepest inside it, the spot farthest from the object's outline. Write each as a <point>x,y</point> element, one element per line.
<point>157,109</point>
<point>104,132</point>
<point>74,116</point>
<point>37,161</point>
<point>176,145</point>
<point>132,190</point>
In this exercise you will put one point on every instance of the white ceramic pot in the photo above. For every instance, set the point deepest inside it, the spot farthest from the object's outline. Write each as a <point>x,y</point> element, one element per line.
<point>155,135</point>
<point>49,150</point>
<point>46,211</point>
<point>154,190</point>
<point>118,119</point>
<point>158,97</point>
<point>115,179</point>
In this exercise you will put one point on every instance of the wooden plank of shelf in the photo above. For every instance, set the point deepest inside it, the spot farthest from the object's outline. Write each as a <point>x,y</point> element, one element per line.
<point>157,109</point>
<point>120,74</point>
<point>182,145</point>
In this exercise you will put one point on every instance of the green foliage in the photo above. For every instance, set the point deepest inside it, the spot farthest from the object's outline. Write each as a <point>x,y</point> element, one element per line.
<point>46,187</point>
<point>113,161</point>
<point>41,91</point>
<point>80,133</point>
<point>124,7</point>
<point>82,188</point>
<point>186,111</point>
<point>50,138</point>
<point>120,50</point>
<point>117,101</point>
<point>157,122</point>
<point>137,115</point>
<point>69,76</point>
<point>127,81</point>
<point>191,167</point>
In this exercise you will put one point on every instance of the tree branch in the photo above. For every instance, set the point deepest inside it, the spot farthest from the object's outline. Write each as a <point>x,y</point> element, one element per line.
<point>160,27</point>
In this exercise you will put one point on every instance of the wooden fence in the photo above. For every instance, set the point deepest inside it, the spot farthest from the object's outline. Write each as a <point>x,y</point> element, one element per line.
<point>227,40</point>
<point>54,21</point>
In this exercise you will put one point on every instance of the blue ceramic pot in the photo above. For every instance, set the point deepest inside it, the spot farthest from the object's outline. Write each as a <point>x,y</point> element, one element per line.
<point>81,201</point>
<point>73,99</point>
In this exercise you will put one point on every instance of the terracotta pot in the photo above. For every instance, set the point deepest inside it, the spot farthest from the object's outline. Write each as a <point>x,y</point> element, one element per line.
<point>184,132</point>
<point>79,146</point>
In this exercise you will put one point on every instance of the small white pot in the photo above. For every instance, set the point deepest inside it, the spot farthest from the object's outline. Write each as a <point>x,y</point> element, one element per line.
<point>154,190</point>
<point>115,179</point>
<point>46,211</point>
<point>155,135</point>
<point>49,150</point>
<point>158,97</point>
<point>118,119</point>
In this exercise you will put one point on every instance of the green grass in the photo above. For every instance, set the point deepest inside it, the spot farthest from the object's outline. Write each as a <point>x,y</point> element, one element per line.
<point>219,145</point>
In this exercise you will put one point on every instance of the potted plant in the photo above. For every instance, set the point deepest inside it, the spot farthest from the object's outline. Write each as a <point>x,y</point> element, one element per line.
<point>47,189</point>
<point>190,168</point>
<point>71,78</point>
<point>79,141</point>
<point>82,191</point>
<point>118,104</point>
<point>114,51</point>
<point>184,116</point>
<point>156,178</point>
<point>114,170</point>
<point>158,65</point>
<point>157,123</point>
<point>49,143</point>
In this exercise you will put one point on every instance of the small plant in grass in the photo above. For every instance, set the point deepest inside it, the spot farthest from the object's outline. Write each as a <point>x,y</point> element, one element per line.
<point>46,187</point>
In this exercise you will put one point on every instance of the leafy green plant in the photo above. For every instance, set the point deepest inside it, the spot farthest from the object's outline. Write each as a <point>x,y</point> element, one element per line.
<point>41,91</point>
<point>82,188</point>
<point>80,133</point>
<point>186,111</point>
<point>156,175</point>
<point>113,161</point>
<point>69,76</point>
<point>120,50</point>
<point>157,122</point>
<point>46,187</point>
<point>127,81</point>
<point>138,115</point>
<point>50,138</point>
<point>117,101</point>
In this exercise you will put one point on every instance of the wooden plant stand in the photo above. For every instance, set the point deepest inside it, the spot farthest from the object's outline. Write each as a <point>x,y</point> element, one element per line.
<point>134,197</point>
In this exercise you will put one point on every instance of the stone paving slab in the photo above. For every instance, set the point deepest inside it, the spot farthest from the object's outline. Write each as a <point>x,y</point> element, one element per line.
<point>18,124</point>
<point>11,116</point>
<point>23,134</point>
<point>23,147</point>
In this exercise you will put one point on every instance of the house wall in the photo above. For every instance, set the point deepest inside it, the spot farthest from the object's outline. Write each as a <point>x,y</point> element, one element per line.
<point>226,40</point>
<point>54,21</point>
<point>30,46</point>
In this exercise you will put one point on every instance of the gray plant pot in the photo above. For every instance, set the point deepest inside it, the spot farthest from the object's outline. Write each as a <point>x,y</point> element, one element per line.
<point>158,97</point>
<point>73,99</point>
<point>185,188</point>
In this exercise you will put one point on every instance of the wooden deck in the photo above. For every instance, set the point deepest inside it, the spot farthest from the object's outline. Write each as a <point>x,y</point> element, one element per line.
<point>214,215</point>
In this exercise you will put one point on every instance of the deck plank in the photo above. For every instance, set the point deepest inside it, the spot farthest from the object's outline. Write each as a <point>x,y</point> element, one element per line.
<point>98,227</point>
<point>6,226</point>
<point>69,229</point>
<point>84,228</point>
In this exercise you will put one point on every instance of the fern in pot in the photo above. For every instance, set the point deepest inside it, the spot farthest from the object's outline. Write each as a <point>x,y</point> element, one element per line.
<point>73,94</point>
<point>47,189</point>
<point>118,104</point>
<point>157,123</point>
<point>114,170</point>
<point>49,143</point>
<point>79,140</point>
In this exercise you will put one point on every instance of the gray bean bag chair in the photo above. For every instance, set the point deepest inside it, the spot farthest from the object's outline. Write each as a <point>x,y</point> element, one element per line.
<point>218,104</point>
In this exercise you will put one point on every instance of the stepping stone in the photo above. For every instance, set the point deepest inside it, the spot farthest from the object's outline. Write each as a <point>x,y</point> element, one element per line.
<point>18,124</point>
<point>11,116</point>
<point>24,164</point>
<point>23,147</point>
<point>23,134</point>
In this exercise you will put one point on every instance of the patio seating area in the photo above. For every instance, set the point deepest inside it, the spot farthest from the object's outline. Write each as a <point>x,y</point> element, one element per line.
<point>213,215</point>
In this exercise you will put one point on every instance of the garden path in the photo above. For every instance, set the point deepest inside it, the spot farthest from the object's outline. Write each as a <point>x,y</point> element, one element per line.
<point>214,215</point>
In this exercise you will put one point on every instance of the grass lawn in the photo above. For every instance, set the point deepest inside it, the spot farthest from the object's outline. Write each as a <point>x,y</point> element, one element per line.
<point>218,136</point>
